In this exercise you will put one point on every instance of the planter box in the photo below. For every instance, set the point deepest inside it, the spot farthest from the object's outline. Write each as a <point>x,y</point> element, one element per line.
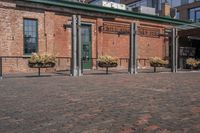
<point>101,64</point>
<point>41,65</point>
<point>107,65</point>
<point>157,65</point>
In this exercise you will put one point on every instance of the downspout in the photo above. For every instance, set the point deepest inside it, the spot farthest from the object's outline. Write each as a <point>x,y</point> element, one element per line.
<point>97,46</point>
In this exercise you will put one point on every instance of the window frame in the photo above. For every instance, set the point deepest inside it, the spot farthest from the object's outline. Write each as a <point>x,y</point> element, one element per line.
<point>195,14</point>
<point>195,9</point>
<point>36,30</point>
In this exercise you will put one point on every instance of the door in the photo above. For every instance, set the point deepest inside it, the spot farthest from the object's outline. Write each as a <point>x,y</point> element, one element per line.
<point>86,46</point>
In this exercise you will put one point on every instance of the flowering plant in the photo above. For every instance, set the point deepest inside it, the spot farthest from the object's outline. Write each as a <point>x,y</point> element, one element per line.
<point>107,60</point>
<point>157,62</point>
<point>193,63</point>
<point>42,60</point>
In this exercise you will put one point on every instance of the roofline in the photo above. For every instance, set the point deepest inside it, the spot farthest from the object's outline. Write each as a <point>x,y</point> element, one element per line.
<point>132,2</point>
<point>100,9</point>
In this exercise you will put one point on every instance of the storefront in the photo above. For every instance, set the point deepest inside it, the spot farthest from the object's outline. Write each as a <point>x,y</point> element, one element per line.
<point>42,26</point>
<point>189,43</point>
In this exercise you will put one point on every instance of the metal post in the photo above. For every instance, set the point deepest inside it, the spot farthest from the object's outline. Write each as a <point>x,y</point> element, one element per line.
<point>173,50</point>
<point>38,71</point>
<point>133,50</point>
<point>74,46</point>
<point>1,68</point>
<point>79,48</point>
<point>154,69</point>
<point>176,50</point>
<point>106,70</point>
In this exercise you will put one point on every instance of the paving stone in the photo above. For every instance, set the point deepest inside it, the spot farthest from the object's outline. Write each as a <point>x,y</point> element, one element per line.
<point>115,103</point>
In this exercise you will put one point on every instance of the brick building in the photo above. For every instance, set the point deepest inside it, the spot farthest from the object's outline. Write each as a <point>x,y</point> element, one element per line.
<point>38,26</point>
<point>190,11</point>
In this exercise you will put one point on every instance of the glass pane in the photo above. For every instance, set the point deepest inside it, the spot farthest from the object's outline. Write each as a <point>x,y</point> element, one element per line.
<point>198,16</point>
<point>192,15</point>
<point>177,15</point>
<point>34,34</point>
<point>29,22</point>
<point>30,36</point>
<point>33,40</point>
<point>85,33</point>
<point>25,22</point>
<point>34,24</point>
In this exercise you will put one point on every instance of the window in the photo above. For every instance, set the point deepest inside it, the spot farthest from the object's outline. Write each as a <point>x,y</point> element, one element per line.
<point>177,15</point>
<point>137,4</point>
<point>194,14</point>
<point>197,16</point>
<point>30,36</point>
<point>116,1</point>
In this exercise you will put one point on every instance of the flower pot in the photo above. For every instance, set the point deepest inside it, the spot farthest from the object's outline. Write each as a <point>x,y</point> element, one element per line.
<point>102,64</point>
<point>107,65</point>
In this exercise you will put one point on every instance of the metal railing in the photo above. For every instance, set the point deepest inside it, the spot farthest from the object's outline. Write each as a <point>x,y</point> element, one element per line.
<point>17,58</point>
<point>145,61</point>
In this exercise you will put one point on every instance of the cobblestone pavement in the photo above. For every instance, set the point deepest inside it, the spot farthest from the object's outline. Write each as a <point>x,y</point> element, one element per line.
<point>117,103</point>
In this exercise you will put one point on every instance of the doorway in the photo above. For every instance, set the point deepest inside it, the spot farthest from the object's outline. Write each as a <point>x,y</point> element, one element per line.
<point>86,46</point>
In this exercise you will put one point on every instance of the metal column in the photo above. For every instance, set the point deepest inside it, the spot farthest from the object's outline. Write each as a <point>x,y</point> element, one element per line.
<point>174,50</point>
<point>74,47</point>
<point>1,68</point>
<point>79,48</point>
<point>133,50</point>
<point>76,63</point>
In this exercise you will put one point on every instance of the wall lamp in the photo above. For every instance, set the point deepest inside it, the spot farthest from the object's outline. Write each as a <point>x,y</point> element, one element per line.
<point>66,26</point>
<point>100,28</point>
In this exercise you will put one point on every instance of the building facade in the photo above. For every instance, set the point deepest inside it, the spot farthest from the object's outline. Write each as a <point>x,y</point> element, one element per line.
<point>38,26</point>
<point>187,9</point>
<point>190,11</point>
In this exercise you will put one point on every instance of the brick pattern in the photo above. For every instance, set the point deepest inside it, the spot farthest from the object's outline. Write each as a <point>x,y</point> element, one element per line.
<point>118,103</point>
<point>54,39</point>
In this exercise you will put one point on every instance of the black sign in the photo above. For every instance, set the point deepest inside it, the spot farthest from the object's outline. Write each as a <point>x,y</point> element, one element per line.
<point>116,28</point>
<point>187,51</point>
<point>148,32</point>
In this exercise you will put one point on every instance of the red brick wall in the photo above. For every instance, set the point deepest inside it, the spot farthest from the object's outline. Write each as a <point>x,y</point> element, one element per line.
<point>54,39</point>
<point>62,41</point>
<point>117,46</point>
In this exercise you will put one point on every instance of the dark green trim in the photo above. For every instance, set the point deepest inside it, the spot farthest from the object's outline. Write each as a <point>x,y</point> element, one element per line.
<point>100,9</point>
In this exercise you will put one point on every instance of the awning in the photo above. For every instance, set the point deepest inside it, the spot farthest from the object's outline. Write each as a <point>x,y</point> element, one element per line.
<point>189,30</point>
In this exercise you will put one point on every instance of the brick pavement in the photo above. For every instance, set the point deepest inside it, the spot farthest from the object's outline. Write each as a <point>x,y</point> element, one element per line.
<point>117,103</point>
